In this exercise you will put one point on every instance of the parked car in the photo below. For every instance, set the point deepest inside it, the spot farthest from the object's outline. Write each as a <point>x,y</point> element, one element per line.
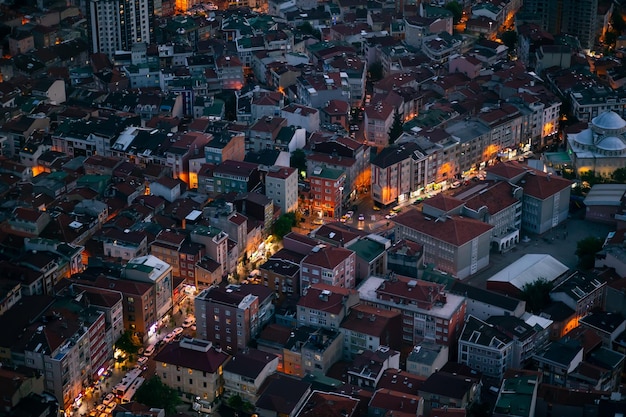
<point>149,350</point>
<point>110,407</point>
<point>169,337</point>
<point>177,331</point>
<point>361,217</point>
<point>189,321</point>
<point>142,361</point>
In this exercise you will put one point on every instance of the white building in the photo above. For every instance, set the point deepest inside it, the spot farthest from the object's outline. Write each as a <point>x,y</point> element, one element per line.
<point>118,24</point>
<point>153,270</point>
<point>281,185</point>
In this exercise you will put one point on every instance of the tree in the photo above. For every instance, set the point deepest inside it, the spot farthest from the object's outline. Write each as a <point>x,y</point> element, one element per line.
<point>283,224</point>
<point>376,71</point>
<point>586,250</point>
<point>128,342</point>
<point>298,161</point>
<point>537,294</point>
<point>308,29</point>
<point>619,175</point>
<point>456,9</point>
<point>154,393</point>
<point>396,127</point>
<point>509,38</point>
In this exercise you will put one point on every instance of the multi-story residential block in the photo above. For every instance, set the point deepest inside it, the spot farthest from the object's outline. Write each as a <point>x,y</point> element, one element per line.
<point>225,146</point>
<point>264,132</point>
<point>215,243</point>
<point>28,222</point>
<point>426,359</point>
<point>193,367</point>
<point>328,265</point>
<point>405,258</point>
<point>307,349</point>
<point>232,315</point>
<point>520,390</point>
<point>558,360</point>
<point>281,185</point>
<point>377,120</point>
<point>236,176</point>
<point>69,350</point>
<point>526,339</point>
<point>580,292</point>
<point>246,372</point>
<point>166,246</point>
<point>505,124</point>
<point>465,241</point>
<point>368,367</point>
<point>229,71</point>
<point>416,28</point>
<point>371,256</point>
<point>113,31</point>
<point>545,202</point>
<point>454,386</point>
<point>156,272</point>
<point>315,90</point>
<point>428,313</point>
<point>343,154</point>
<point>325,306</point>
<point>484,348</point>
<point>283,386</point>
<point>327,187</point>
<point>591,99</point>
<point>369,328</point>
<point>482,303</point>
<point>18,130</point>
<point>282,276</point>
<point>298,115</point>
<point>609,326</point>
<point>390,401</point>
<point>392,176</point>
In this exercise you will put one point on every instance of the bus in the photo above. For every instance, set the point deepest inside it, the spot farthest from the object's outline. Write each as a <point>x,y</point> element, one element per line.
<point>130,392</point>
<point>120,389</point>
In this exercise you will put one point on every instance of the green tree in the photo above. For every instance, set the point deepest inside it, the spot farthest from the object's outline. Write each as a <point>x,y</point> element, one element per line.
<point>308,29</point>
<point>396,127</point>
<point>509,38</point>
<point>536,294</point>
<point>128,342</point>
<point>619,175</point>
<point>298,161</point>
<point>283,224</point>
<point>154,393</point>
<point>586,250</point>
<point>456,9</point>
<point>376,71</point>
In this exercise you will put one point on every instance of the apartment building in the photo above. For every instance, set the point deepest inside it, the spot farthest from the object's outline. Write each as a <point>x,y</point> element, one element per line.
<point>581,292</point>
<point>154,271</point>
<point>369,328</point>
<point>281,185</point>
<point>328,265</point>
<point>193,367</point>
<point>327,187</point>
<point>231,315</point>
<point>392,176</point>
<point>456,245</point>
<point>428,312</point>
<point>246,372</point>
<point>118,24</point>
<point>325,306</point>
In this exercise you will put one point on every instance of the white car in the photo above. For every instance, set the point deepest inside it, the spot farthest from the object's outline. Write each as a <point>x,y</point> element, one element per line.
<point>189,321</point>
<point>177,331</point>
<point>361,217</point>
<point>169,337</point>
<point>108,399</point>
<point>142,361</point>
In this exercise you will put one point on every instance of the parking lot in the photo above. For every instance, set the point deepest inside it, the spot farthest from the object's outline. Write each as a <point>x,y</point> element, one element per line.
<point>560,243</point>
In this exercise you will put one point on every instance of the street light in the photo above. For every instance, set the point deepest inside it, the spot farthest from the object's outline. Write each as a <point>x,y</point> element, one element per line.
<point>340,200</point>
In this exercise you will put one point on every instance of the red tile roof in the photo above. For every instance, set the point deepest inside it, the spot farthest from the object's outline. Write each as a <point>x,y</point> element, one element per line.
<point>323,404</point>
<point>210,361</point>
<point>327,257</point>
<point>324,298</point>
<point>444,202</point>
<point>455,230</point>
<point>507,170</point>
<point>496,198</point>
<point>368,320</point>
<point>542,186</point>
<point>396,401</point>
